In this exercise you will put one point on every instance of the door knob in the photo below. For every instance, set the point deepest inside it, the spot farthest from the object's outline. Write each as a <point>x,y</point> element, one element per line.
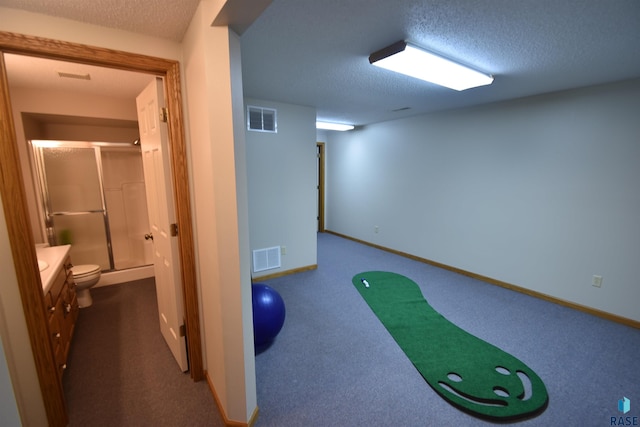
<point>148,236</point>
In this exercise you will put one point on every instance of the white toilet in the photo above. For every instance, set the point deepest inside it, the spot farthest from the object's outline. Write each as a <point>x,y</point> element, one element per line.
<point>85,277</point>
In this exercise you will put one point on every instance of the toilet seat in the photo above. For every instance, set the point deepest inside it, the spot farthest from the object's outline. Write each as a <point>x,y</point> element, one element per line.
<point>80,271</point>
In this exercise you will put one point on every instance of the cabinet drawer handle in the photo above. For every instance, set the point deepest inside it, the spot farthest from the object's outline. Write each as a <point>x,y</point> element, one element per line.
<point>52,309</point>
<point>56,335</point>
<point>63,366</point>
<point>67,308</point>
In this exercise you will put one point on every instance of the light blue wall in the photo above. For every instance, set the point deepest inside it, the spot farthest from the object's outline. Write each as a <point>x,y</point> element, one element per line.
<point>541,192</point>
<point>8,406</point>
<point>281,171</point>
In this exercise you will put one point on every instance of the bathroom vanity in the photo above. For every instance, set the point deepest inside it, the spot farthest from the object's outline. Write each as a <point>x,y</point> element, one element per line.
<point>60,299</point>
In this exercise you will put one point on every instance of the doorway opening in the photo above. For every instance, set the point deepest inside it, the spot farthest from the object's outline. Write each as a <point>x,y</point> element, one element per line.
<point>17,211</point>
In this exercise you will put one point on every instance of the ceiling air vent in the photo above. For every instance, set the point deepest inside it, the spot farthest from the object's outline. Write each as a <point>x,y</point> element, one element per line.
<point>62,74</point>
<point>261,119</point>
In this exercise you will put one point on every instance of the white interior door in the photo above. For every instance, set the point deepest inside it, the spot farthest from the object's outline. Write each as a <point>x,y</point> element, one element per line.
<point>166,258</point>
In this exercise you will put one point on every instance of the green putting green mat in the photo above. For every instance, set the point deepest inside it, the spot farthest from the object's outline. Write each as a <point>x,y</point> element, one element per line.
<point>472,374</point>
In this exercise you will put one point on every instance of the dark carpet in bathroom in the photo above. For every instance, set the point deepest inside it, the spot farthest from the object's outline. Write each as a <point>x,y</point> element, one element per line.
<point>121,372</point>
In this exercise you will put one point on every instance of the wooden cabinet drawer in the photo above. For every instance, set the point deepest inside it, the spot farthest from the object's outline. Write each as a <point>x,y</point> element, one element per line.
<point>61,303</point>
<point>57,285</point>
<point>61,363</point>
<point>48,302</point>
<point>55,329</point>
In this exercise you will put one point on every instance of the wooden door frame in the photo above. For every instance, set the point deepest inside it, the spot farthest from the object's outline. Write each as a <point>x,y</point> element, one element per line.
<point>321,147</point>
<point>16,210</point>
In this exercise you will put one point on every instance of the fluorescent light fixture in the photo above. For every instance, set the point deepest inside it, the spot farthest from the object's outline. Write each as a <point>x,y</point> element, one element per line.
<point>333,126</point>
<point>405,58</point>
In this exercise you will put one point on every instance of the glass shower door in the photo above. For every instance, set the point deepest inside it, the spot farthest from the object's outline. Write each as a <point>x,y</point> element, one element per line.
<point>74,202</point>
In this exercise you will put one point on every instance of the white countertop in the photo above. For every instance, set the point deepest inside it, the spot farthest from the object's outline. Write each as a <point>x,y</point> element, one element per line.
<point>54,256</point>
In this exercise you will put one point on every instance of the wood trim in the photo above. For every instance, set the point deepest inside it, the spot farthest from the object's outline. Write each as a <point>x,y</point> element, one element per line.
<point>254,417</point>
<point>25,261</point>
<point>321,147</point>
<point>85,54</point>
<point>180,175</point>
<point>540,295</point>
<point>12,190</point>
<point>285,273</point>
<point>227,421</point>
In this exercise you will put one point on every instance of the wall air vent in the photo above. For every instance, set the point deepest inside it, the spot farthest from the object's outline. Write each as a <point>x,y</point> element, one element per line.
<point>266,259</point>
<point>261,119</point>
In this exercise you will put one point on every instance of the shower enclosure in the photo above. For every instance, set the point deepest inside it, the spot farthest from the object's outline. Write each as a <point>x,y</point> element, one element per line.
<point>93,197</point>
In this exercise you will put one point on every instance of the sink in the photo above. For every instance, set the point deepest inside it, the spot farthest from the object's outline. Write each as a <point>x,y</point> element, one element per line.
<point>42,265</point>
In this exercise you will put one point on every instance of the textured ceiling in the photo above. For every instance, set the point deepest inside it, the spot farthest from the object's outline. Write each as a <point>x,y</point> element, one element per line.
<point>167,19</point>
<point>315,53</point>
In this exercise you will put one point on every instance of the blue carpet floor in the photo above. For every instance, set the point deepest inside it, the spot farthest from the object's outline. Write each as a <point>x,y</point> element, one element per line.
<point>334,364</point>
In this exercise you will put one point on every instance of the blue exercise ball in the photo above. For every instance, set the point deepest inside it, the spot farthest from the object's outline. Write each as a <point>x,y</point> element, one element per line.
<point>268,313</point>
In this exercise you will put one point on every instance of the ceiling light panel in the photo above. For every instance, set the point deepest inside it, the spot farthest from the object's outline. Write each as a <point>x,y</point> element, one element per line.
<point>333,126</point>
<point>406,58</point>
